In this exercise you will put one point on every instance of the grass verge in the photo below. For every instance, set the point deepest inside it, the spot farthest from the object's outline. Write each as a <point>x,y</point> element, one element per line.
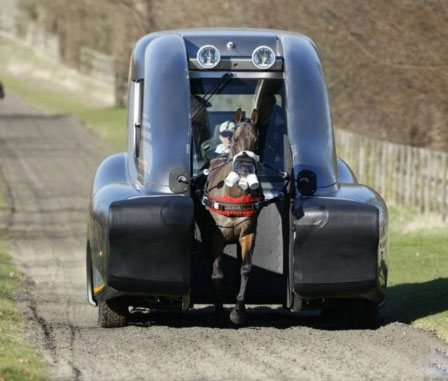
<point>18,360</point>
<point>418,271</point>
<point>55,89</point>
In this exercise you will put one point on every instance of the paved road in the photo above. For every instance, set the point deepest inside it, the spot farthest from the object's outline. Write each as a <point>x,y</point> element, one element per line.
<point>47,164</point>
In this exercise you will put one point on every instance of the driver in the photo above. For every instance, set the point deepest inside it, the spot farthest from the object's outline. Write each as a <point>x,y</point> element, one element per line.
<point>226,130</point>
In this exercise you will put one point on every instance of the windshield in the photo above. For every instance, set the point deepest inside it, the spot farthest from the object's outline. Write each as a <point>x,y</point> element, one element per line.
<point>213,119</point>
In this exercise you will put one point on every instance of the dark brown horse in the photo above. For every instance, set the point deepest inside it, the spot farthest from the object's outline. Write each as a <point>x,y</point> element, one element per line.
<point>232,201</point>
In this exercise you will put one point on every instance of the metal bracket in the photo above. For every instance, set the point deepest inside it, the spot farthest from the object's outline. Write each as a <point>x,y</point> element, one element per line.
<point>186,301</point>
<point>297,304</point>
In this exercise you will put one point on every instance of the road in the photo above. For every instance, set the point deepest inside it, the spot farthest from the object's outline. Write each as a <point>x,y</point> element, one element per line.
<point>47,164</point>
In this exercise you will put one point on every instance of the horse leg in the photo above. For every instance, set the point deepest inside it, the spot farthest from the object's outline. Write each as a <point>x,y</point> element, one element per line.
<point>216,249</point>
<point>218,282</point>
<point>238,314</point>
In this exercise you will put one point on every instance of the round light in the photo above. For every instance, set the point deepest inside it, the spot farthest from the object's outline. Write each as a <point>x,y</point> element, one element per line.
<point>208,56</point>
<point>263,57</point>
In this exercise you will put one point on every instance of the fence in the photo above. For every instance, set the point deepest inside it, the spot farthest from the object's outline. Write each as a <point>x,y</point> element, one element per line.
<point>42,42</point>
<point>403,174</point>
<point>97,65</point>
<point>92,62</point>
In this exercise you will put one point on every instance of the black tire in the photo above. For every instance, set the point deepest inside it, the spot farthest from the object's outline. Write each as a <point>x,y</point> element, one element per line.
<point>363,313</point>
<point>112,313</point>
<point>336,313</point>
<point>89,276</point>
<point>356,313</point>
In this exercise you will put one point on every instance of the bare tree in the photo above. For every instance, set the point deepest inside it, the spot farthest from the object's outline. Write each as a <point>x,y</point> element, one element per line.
<point>385,60</point>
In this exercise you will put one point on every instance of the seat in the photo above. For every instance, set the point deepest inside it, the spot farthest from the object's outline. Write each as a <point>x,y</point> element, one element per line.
<point>273,140</point>
<point>208,146</point>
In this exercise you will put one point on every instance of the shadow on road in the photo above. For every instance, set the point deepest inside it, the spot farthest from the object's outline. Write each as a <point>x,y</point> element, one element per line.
<point>257,317</point>
<point>206,317</point>
<point>405,303</point>
<point>411,301</point>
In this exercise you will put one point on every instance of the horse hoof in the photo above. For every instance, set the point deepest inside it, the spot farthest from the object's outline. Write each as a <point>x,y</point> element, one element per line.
<point>238,317</point>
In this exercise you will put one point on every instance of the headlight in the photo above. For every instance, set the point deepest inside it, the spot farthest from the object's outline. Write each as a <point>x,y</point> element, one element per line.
<point>263,57</point>
<point>208,56</point>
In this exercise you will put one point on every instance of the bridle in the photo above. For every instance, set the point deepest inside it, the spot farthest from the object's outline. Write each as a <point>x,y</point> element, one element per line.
<point>246,205</point>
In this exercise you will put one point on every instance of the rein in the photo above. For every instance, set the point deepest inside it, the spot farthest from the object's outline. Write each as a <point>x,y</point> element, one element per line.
<point>243,206</point>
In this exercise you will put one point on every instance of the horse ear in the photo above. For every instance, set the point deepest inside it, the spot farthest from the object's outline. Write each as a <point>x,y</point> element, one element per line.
<point>238,115</point>
<point>254,116</point>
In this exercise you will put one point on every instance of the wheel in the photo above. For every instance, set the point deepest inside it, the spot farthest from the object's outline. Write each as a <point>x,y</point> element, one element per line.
<point>89,277</point>
<point>336,313</point>
<point>357,313</point>
<point>363,313</point>
<point>112,313</point>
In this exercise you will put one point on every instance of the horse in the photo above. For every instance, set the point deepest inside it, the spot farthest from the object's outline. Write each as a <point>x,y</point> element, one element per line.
<point>232,198</point>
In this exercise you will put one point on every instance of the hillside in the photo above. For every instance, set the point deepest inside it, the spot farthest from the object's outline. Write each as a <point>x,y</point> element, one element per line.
<point>385,60</point>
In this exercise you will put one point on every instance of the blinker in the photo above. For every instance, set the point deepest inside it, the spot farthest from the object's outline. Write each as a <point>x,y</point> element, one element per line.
<point>226,133</point>
<point>243,171</point>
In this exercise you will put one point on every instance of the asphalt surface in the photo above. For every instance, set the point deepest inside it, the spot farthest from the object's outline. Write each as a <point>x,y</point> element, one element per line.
<point>47,164</point>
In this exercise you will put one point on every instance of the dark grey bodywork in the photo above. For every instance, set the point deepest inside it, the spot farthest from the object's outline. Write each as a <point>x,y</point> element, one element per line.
<point>142,242</point>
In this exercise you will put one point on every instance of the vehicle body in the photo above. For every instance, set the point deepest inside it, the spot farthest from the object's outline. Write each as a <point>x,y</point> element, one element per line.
<point>325,239</point>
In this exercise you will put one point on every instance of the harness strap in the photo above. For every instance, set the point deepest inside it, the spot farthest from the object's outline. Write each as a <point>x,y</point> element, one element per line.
<point>240,206</point>
<point>252,155</point>
<point>230,206</point>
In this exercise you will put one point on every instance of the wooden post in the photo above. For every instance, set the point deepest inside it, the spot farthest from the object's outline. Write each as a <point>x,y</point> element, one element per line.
<point>412,181</point>
<point>370,148</point>
<point>361,162</point>
<point>415,169</point>
<point>427,180</point>
<point>408,182</point>
<point>434,164</point>
<point>390,170</point>
<point>444,184</point>
<point>401,171</point>
<point>396,173</point>
<point>383,169</point>
<point>376,166</point>
<point>421,182</point>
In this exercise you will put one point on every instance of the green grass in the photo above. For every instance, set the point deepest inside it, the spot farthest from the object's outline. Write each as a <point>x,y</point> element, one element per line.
<point>107,123</point>
<point>54,89</point>
<point>418,272</point>
<point>18,360</point>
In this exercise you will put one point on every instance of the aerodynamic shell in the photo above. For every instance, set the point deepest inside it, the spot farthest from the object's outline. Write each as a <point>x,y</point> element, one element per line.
<point>327,242</point>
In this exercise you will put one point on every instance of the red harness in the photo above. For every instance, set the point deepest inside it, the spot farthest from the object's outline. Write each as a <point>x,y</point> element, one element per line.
<point>244,206</point>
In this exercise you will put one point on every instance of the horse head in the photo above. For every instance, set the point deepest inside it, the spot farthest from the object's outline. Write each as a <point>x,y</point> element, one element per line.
<point>245,137</point>
<point>244,159</point>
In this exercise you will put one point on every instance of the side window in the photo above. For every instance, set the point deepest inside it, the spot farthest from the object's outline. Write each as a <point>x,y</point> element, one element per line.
<point>213,104</point>
<point>137,91</point>
<point>212,117</point>
<point>272,129</point>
